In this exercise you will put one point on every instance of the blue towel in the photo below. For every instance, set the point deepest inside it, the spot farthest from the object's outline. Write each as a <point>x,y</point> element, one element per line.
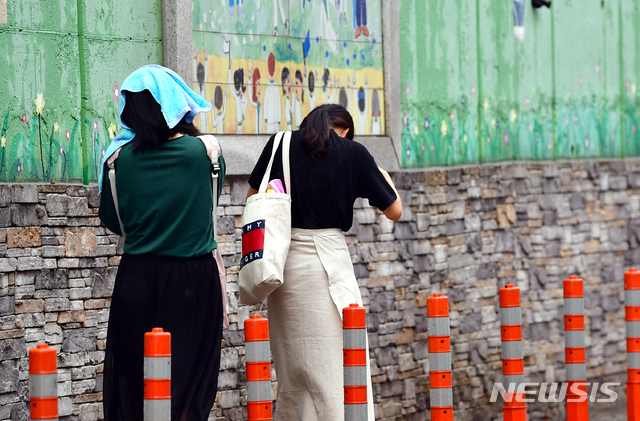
<point>175,98</point>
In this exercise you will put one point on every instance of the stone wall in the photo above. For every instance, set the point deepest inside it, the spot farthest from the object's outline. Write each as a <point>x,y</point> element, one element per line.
<point>464,232</point>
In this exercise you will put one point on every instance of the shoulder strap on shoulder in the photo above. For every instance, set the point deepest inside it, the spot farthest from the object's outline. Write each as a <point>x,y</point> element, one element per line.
<point>114,194</point>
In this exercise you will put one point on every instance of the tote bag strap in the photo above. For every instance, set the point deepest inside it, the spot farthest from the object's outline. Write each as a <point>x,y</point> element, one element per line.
<point>285,162</point>
<point>114,195</point>
<point>286,167</point>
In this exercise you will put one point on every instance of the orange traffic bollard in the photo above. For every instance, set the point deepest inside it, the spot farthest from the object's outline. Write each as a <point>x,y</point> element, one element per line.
<point>440,382</point>
<point>258,358</point>
<point>515,409</point>
<point>632,312</point>
<point>574,350</point>
<point>157,375</point>
<point>43,383</point>
<point>354,331</point>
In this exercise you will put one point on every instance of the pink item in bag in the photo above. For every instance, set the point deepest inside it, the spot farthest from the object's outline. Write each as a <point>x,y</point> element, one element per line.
<point>275,186</point>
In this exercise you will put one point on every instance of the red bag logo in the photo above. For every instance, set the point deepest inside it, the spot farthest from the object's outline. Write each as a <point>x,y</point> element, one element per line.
<point>252,242</point>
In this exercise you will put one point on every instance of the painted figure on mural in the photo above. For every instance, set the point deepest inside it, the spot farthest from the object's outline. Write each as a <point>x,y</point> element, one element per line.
<point>286,90</point>
<point>298,98</point>
<point>236,79</point>
<point>238,5</point>
<point>328,87</point>
<point>200,76</point>
<point>376,124</point>
<point>272,99</point>
<point>311,90</point>
<point>219,100</point>
<point>361,104</point>
<point>329,34</point>
<point>254,98</point>
<point>277,6</point>
<point>361,18</point>
<point>341,5</point>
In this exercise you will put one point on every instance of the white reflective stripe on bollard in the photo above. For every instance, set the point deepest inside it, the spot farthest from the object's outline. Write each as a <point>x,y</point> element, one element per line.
<point>157,410</point>
<point>257,352</point>
<point>440,361</point>
<point>43,385</point>
<point>633,360</point>
<point>512,350</point>
<point>354,338</point>
<point>441,397</point>
<point>517,379</point>
<point>157,368</point>
<point>574,339</point>
<point>438,326</point>
<point>510,316</point>
<point>576,371</point>
<point>632,297</point>
<point>355,376</point>
<point>633,329</point>
<point>573,306</point>
<point>259,391</point>
<point>356,412</point>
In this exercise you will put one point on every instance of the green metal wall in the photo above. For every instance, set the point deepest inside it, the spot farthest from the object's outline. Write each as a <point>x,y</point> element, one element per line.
<point>473,93</point>
<point>73,54</point>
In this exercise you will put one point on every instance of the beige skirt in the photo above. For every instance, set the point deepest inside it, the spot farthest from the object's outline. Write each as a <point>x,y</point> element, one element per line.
<point>306,327</point>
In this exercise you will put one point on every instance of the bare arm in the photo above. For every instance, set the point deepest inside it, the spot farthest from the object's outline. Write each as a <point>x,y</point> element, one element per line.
<point>251,192</point>
<point>394,211</point>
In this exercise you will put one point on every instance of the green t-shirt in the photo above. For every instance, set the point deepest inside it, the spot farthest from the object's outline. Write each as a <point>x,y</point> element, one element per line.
<point>164,198</point>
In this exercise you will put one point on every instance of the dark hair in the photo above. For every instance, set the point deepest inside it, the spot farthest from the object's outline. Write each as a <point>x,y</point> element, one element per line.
<point>218,100</point>
<point>326,76</point>
<point>238,80</point>
<point>316,128</point>
<point>299,77</point>
<point>143,115</point>
<point>343,98</point>
<point>200,75</point>
<point>311,80</point>
<point>284,76</point>
<point>361,96</point>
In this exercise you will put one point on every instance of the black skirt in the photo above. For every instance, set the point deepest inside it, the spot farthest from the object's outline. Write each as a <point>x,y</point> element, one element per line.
<point>182,296</point>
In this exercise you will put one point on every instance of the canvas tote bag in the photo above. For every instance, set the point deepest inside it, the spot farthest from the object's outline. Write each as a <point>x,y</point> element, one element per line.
<point>266,233</point>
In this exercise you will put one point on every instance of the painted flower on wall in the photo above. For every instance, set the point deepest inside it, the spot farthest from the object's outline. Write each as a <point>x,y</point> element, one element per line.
<point>493,123</point>
<point>39,104</point>
<point>597,68</point>
<point>3,141</point>
<point>115,92</point>
<point>549,147</point>
<point>633,89</point>
<point>19,168</point>
<point>452,116</point>
<point>587,142</point>
<point>505,139</point>
<point>56,127</point>
<point>432,147</point>
<point>486,105</point>
<point>427,124</point>
<point>24,118</point>
<point>408,152</point>
<point>530,127</point>
<point>68,135</point>
<point>463,101</point>
<point>464,138</point>
<point>527,101</point>
<point>513,116</point>
<point>473,90</point>
<point>488,140</point>
<point>407,89</point>
<point>96,126</point>
<point>61,151</point>
<point>112,131</point>
<point>423,148</point>
<point>444,128</point>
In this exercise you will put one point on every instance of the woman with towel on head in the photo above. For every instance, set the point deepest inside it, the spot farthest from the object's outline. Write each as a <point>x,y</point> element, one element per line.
<point>328,172</point>
<point>167,277</point>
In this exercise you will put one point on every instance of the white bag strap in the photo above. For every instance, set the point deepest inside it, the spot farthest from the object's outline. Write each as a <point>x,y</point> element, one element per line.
<point>215,170</point>
<point>114,194</point>
<point>285,161</point>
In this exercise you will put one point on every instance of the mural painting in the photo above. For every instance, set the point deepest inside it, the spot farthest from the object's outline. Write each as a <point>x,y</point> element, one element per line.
<point>265,64</point>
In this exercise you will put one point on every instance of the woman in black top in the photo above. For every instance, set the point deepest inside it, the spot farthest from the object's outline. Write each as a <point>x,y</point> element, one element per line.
<point>328,172</point>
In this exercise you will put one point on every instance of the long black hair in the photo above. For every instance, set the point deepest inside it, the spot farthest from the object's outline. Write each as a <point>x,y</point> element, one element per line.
<point>316,127</point>
<point>143,115</point>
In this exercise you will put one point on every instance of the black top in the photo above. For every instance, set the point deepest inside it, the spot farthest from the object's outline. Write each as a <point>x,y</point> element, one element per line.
<point>324,189</point>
